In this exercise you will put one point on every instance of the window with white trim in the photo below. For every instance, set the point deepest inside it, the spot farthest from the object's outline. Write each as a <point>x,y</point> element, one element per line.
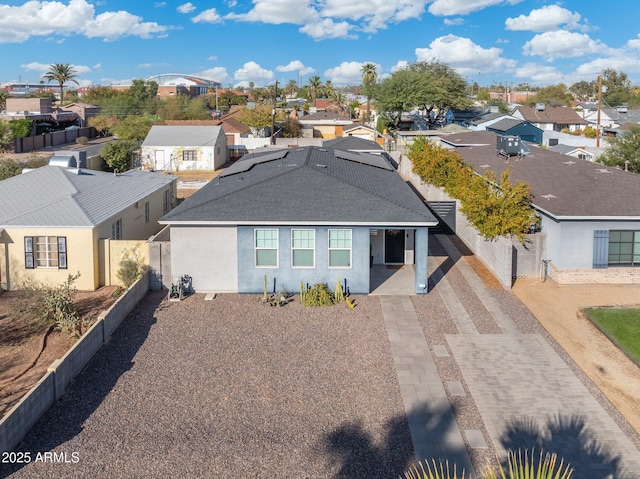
<point>340,248</point>
<point>303,248</point>
<point>266,248</point>
<point>45,252</point>
<point>624,248</point>
<point>116,229</point>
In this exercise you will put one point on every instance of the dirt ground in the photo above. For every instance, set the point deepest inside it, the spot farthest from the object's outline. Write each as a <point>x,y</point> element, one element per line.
<point>557,307</point>
<point>25,348</point>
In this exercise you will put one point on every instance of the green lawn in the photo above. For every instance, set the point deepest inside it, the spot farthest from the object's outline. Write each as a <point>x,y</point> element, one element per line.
<point>622,325</point>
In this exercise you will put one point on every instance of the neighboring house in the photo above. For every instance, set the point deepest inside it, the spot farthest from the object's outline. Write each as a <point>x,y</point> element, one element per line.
<point>297,215</point>
<point>179,148</point>
<point>513,127</point>
<point>575,152</point>
<point>353,143</point>
<point>590,220</point>
<point>53,219</point>
<point>554,118</point>
<point>237,132</point>
<point>486,120</point>
<point>84,111</point>
<point>45,116</point>
<point>324,125</point>
<point>365,132</point>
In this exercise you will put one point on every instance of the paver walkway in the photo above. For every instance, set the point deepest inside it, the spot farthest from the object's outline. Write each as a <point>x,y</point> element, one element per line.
<point>526,394</point>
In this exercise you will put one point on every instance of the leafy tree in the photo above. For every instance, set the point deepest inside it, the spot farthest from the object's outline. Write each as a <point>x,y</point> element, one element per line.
<point>143,91</point>
<point>117,154</point>
<point>62,73</point>
<point>98,94</point>
<point>624,148</point>
<point>72,96</point>
<point>103,123</point>
<point>256,119</point>
<point>228,98</point>
<point>484,96</point>
<point>133,128</point>
<point>291,128</point>
<point>181,107</point>
<point>4,94</point>
<point>21,128</point>
<point>369,79</point>
<point>553,95</point>
<point>584,90</point>
<point>120,106</point>
<point>5,135</point>
<point>618,87</point>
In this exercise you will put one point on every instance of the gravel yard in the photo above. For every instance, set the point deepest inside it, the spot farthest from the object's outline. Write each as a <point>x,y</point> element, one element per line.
<point>229,388</point>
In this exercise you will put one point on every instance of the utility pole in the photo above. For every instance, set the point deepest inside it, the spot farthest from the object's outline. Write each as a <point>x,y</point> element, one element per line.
<point>598,116</point>
<point>273,116</point>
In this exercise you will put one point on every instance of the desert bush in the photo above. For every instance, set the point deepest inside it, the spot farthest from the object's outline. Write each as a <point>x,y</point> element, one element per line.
<point>318,295</point>
<point>132,265</point>
<point>82,140</point>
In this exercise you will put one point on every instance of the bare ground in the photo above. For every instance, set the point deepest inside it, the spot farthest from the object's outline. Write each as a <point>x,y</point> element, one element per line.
<point>24,342</point>
<point>557,308</point>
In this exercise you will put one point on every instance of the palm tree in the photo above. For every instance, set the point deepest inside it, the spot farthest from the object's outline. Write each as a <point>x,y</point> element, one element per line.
<point>62,73</point>
<point>328,89</point>
<point>291,88</point>
<point>314,85</point>
<point>369,77</point>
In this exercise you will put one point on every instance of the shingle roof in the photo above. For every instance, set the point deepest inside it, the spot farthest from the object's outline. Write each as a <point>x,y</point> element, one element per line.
<point>560,185</point>
<point>551,114</point>
<point>505,124</point>
<point>351,143</point>
<point>305,185</point>
<point>53,196</point>
<point>162,135</point>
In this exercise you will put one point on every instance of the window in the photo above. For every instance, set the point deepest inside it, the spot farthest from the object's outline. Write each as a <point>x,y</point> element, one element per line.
<point>339,248</point>
<point>45,252</point>
<point>146,212</point>
<point>624,248</point>
<point>116,230</point>
<point>303,243</point>
<point>266,247</point>
<point>189,155</point>
<point>165,202</point>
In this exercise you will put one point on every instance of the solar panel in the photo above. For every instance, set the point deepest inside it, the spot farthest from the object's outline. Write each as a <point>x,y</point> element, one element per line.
<point>376,161</point>
<point>246,164</point>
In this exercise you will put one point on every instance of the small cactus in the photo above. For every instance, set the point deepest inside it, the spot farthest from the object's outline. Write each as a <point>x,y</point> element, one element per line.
<point>339,293</point>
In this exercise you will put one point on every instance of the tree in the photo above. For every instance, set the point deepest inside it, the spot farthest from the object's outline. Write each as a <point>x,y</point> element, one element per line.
<point>104,124</point>
<point>369,79</point>
<point>98,94</point>
<point>21,128</point>
<point>584,90</point>
<point>314,87</point>
<point>291,128</point>
<point>624,148</point>
<point>4,94</point>
<point>134,128</point>
<point>181,107</point>
<point>553,95</point>
<point>117,154</point>
<point>291,89</point>
<point>618,87</point>
<point>62,73</point>
<point>257,119</point>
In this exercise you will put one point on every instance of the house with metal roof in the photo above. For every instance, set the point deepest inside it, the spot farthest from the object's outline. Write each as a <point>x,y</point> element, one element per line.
<point>184,147</point>
<point>53,219</point>
<point>589,213</point>
<point>296,215</point>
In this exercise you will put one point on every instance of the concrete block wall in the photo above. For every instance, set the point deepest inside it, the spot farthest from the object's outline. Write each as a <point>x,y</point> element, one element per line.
<point>21,418</point>
<point>594,276</point>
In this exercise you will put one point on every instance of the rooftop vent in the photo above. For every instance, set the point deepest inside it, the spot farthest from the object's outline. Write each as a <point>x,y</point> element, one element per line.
<point>549,196</point>
<point>540,107</point>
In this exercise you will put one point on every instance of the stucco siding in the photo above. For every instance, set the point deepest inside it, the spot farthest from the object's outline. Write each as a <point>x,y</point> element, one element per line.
<point>208,254</point>
<point>251,278</point>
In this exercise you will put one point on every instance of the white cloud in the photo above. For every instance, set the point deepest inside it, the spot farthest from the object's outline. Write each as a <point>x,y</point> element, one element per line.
<point>145,65</point>
<point>544,19</point>
<point>562,44</point>
<point>295,66</point>
<point>536,74</point>
<point>277,12</point>
<point>207,16</point>
<point>251,71</point>
<point>376,15</point>
<point>218,74</point>
<point>44,67</point>
<point>464,56</point>
<point>463,7</point>
<point>212,58</point>
<point>327,29</point>
<point>454,21</point>
<point>42,18</point>
<point>401,65</point>
<point>347,73</point>
<point>186,7</point>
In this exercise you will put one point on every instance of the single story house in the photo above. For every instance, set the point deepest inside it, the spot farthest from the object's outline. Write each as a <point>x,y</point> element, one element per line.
<point>589,214</point>
<point>514,127</point>
<point>53,219</point>
<point>554,118</point>
<point>296,215</point>
<point>573,151</point>
<point>178,148</point>
<point>324,124</point>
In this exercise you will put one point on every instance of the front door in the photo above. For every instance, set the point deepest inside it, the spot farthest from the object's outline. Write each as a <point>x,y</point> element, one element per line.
<point>394,246</point>
<point>159,160</point>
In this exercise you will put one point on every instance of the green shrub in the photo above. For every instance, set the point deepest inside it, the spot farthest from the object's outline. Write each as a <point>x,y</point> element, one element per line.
<point>318,295</point>
<point>131,265</point>
<point>590,132</point>
<point>82,140</point>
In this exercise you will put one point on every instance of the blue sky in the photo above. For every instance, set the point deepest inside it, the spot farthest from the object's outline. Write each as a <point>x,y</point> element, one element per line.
<point>239,41</point>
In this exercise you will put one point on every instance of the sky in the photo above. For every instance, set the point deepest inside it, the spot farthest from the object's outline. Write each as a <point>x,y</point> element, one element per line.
<point>262,41</point>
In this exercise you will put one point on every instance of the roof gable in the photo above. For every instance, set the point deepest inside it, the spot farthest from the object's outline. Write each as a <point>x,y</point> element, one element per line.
<point>551,114</point>
<point>190,135</point>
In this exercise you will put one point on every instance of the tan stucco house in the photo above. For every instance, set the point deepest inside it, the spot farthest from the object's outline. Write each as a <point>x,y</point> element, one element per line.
<point>53,220</point>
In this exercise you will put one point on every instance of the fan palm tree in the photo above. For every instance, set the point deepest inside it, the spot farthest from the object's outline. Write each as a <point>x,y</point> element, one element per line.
<point>62,73</point>
<point>291,88</point>
<point>369,78</point>
<point>314,85</point>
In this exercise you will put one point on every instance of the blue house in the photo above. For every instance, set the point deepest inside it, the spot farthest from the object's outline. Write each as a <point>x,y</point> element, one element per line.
<point>515,127</point>
<point>299,215</point>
